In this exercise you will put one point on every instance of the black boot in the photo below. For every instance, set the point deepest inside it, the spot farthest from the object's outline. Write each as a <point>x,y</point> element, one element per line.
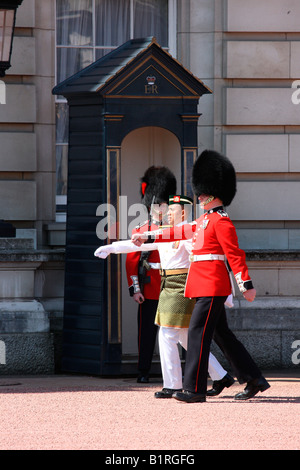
<point>252,388</point>
<point>143,379</point>
<point>166,393</point>
<point>219,385</point>
<point>189,397</point>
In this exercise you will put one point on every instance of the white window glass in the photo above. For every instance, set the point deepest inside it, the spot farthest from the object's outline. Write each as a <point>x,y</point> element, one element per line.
<point>151,19</point>
<point>74,36</point>
<point>62,129</point>
<point>112,22</point>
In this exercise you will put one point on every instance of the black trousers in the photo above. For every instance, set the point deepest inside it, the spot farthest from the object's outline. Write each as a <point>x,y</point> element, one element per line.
<point>209,322</point>
<point>244,367</point>
<point>147,331</point>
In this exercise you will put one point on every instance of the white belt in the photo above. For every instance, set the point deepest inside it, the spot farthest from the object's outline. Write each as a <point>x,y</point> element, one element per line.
<point>209,257</point>
<point>155,265</point>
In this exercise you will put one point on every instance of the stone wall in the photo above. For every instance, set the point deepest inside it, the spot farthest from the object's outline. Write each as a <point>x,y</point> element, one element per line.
<point>31,308</point>
<point>269,329</point>
<point>31,273</point>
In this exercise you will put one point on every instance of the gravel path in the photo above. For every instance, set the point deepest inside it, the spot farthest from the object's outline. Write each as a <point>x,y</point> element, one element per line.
<point>89,413</point>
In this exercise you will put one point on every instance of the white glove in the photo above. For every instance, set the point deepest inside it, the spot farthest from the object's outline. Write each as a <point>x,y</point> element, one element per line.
<point>103,251</point>
<point>124,246</point>
<point>229,301</point>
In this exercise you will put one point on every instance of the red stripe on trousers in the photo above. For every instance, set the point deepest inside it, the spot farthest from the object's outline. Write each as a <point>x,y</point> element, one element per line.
<point>202,343</point>
<point>140,326</point>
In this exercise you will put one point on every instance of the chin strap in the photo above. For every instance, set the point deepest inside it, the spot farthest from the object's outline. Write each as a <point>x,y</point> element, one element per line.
<point>210,199</point>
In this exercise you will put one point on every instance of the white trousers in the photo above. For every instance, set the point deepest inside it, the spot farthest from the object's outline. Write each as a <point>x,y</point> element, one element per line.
<point>168,339</point>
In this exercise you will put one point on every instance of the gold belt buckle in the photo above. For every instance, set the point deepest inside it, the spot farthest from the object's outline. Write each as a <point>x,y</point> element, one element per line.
<point>191,258</point>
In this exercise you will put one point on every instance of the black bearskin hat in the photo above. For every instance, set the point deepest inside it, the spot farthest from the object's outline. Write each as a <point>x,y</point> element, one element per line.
<point>214,175</point>
<point>157,184</point>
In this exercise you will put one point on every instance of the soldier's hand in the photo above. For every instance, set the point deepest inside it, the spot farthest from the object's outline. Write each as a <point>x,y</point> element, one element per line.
<point>250,295</point>
<point>138,297</point>
<point>138,238</point>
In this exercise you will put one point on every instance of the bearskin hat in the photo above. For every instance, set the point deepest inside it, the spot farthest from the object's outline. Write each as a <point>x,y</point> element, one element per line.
<point>157,184</point>
<point>213,174</point>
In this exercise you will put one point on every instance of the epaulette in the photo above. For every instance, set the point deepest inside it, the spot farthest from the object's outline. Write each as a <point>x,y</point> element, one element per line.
<point>222,213</point>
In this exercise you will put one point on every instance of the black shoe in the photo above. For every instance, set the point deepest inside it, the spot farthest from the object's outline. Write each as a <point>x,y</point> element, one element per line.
<point>189,397</point>
<point>219,385</point>
<point>166,392</point>
<point>252,388</point>
<point>143,379</point>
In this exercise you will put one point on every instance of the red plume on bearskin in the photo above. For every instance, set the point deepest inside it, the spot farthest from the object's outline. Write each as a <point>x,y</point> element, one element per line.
<point>157,184</point>
<point>214,175</point>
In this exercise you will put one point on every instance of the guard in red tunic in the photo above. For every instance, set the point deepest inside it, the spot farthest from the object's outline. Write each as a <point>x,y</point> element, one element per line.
<point>143,268</point>
<point>215,244</point>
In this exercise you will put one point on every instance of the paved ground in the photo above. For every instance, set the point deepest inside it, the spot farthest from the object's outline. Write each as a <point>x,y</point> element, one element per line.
<point>87,413</point>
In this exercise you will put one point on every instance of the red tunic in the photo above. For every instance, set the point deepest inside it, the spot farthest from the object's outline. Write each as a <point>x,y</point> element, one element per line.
<point>213,233</point>
<point>152,289</point>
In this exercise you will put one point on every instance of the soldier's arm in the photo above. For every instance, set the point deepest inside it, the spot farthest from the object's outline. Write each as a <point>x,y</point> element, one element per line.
<point>183,232</point>
<point>121,247</point>
<point>236,257</point>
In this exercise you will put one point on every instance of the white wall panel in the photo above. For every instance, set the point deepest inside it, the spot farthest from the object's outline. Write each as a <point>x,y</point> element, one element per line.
<point>263,15</point>
<point>266,200</point>
<point>258,153</point>
<point>261,107</point>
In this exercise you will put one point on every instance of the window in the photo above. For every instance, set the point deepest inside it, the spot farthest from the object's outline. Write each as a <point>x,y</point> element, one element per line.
<point>88,29</point>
